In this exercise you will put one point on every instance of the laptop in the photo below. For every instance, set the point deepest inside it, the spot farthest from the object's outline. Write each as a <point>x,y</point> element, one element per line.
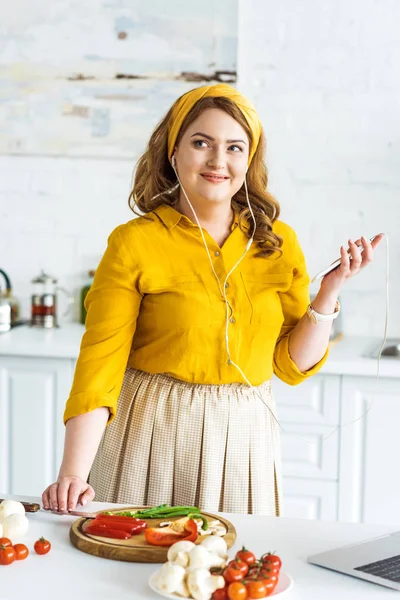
<point>376,560</point>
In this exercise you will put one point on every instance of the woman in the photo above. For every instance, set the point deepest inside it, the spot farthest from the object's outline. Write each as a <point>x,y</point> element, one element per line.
<point>203,295</point>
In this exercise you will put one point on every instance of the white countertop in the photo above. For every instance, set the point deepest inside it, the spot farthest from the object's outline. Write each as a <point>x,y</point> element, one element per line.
<point>346,356</point>
<point>60,342</point>
<point>67,573</point>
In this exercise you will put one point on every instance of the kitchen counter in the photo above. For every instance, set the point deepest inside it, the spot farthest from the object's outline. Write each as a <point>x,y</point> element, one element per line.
<point>346,356</point>
<point>67,573</point>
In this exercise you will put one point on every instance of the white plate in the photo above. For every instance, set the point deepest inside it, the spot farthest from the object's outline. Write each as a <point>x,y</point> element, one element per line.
<point>284,584</point>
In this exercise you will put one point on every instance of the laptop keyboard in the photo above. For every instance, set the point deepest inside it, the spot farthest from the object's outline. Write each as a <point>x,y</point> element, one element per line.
<point>389,568</point>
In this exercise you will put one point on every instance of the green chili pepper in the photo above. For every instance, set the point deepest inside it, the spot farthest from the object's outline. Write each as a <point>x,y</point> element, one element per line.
<point>163,511</point>
<point>204,525</point>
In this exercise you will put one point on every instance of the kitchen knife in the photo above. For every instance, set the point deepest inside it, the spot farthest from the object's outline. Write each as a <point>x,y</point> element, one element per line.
<point>29,506</point>
<point>32,507</point>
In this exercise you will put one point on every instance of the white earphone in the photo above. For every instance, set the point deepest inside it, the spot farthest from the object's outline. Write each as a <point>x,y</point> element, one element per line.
<point>222,288</point>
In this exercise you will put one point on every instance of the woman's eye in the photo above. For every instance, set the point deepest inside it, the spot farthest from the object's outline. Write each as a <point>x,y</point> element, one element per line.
<point>235,148</point>
<point>198,143</point>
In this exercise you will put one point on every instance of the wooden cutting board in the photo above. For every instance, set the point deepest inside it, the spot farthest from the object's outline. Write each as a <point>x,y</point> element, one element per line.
<point>135,549</point>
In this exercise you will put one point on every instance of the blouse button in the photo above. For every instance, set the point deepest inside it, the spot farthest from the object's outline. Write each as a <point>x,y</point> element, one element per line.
<point>232,320</point>
<point>217,253</point>
<point>226,285</point>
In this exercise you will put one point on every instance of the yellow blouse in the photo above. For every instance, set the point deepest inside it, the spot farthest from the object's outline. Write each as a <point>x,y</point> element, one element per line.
<point>155,306</point>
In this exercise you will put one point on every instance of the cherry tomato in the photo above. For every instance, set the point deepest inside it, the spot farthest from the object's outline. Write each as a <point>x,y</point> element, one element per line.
<point>256,588</point>
<point>246,556</point>
<point>7,555</point>
<point>237,591</point>
<point>42,546</point>
<point>272,559</point>
<point>240,565</point>
<point>220,594</point>
<point>231,574</point>
<point>21,551</point>
<point>5,542</point>
<point>268,569</point>
<point>270,586</point>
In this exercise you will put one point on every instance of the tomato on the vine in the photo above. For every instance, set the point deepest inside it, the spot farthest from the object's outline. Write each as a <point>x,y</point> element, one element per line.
<point>231,574</point>
<point>237,591</point>
<point>256,588</point>
<point>21,551</point>
<point>42,546</point>
<point>271,559</point>
<point>246,556</point>
<point>268,569</point>
<point>254,571</point>
<point>7,555</point>
<point>220,594</point>
<point>240,565</point>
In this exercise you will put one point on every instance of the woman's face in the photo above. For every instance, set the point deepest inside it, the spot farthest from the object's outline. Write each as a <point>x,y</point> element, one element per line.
<point>211,158</point>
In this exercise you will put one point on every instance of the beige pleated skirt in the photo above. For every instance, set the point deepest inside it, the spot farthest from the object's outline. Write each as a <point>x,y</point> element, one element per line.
<point>212,446</point>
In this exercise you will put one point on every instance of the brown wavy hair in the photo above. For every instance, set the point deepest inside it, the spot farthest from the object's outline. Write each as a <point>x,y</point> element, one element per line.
<point>155,181</point>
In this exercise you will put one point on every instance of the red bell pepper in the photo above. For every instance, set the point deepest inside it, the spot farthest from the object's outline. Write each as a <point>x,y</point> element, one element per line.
<point>129,524</point>
<point>165,536</point>
<point>105,531</point>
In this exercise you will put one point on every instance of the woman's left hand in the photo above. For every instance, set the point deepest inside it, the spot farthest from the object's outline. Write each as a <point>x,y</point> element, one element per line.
<point>350,267</point>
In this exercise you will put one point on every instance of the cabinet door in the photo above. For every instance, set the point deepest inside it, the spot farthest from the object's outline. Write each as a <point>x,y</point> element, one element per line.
<point>310,451</point>
<point>33,392</point>
<point>316,401</point>
<point>309,415</point>
<point>306,499</point>
<point>370,450</point>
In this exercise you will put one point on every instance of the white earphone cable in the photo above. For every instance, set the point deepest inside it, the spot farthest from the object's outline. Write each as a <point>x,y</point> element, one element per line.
<point>229,313</point>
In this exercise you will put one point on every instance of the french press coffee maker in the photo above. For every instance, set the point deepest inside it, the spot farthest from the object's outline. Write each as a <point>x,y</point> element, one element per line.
<point>44,301</point>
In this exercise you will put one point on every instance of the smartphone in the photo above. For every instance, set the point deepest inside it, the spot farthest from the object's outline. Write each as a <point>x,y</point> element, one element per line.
<point>337,262</point>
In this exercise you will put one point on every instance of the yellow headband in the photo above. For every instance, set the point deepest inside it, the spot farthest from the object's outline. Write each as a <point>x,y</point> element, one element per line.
<point>186,102</point>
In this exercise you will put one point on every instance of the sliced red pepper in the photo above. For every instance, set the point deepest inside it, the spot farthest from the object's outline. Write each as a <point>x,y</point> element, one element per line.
<point>165,536</point>
<point>134,526</point>
<point>133,529</point>
<point>93,529</point>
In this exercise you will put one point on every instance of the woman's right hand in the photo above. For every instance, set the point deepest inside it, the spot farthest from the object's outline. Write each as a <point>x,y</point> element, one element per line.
<point>66,492</point>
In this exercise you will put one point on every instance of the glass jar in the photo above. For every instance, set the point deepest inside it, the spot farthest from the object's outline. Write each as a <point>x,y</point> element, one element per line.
<point>44,301</point>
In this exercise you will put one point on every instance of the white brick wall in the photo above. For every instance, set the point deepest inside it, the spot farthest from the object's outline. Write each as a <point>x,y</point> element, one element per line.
<point>56,214</point>
<point>325,78</point>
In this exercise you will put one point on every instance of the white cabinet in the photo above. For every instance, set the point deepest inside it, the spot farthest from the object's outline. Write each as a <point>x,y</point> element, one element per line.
<point>330,472</point>
<point>33,392</point>
<point>370,450</point>
<point>309,414</point>
<point>338,462</point>
<point>308,499</point>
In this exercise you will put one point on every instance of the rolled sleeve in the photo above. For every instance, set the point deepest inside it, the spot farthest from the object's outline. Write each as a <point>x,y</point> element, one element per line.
<point>112,305</point>
<point>286,369</point>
